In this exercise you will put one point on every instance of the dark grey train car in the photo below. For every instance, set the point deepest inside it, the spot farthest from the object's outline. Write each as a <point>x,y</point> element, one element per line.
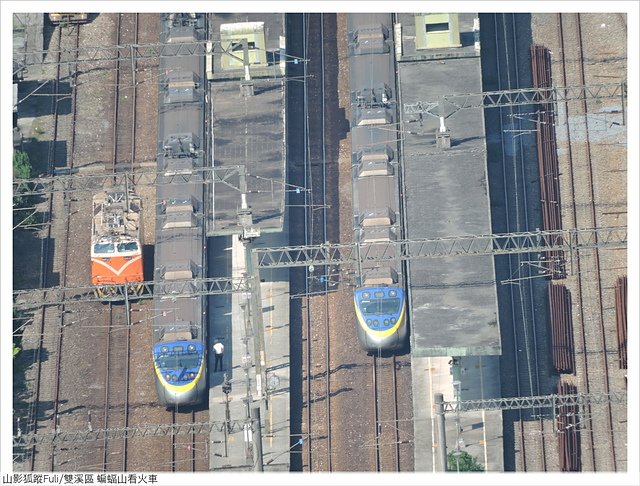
<point>379,298</point>
<point>179,327</point>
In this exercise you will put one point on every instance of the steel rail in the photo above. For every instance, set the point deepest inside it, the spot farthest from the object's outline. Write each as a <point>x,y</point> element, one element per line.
<point>603,331</point>
<point>44,264</point>
<point>508,224</point>
<point>377,427</point>
<point>324,238</point>
<point>306,162</point>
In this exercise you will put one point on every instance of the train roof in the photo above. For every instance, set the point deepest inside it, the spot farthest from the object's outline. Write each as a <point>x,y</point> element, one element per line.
<point>249,130</point>
<point>376,196</point>
<point>116,214</point>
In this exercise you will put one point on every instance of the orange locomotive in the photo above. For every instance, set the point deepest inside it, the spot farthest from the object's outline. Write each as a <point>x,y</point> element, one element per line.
<point>116,249</point>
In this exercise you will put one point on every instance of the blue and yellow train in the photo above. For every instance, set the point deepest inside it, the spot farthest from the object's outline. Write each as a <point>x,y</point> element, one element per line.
<point>379,298</point>
<point>180,322</point>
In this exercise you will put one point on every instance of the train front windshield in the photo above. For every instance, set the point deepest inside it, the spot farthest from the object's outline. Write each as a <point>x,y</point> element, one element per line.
<point>178,360</point>
<point>380,306</point>
<point>129,246</point>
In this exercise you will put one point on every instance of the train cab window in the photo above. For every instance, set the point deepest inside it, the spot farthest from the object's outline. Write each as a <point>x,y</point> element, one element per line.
<point>104,248</point>
<point>380,306</point>
<point>129,246</point>
<point>178,360</point>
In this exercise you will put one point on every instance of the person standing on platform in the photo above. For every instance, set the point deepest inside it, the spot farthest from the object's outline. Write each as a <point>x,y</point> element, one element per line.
<point>218,350</point>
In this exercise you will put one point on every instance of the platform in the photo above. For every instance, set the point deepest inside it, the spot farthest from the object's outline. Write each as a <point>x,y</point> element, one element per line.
<point>453,302</point>
<point>231,452</point>
<point>248,120</point>
<point>479,432</point>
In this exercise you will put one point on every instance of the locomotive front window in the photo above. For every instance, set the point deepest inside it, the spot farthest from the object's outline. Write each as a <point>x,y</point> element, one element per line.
<point>130,246</point>
<point>380,306</point>
<point>177,361</point>
<point>104,248</point>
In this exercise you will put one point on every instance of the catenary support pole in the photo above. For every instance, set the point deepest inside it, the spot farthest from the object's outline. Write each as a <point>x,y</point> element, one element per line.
<point>442,438</point>
<point>257,438</point>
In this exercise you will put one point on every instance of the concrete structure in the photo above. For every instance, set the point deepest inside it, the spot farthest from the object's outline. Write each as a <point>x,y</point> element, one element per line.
<point>247,95</point>
<point>248,122</point>
<point>231,324</point>
<point>455,334</point>
<point>28,35</point>
<point>437,31</point>
<point>453,300</point>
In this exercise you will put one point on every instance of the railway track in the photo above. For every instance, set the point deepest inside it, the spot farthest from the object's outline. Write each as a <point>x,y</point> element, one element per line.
<point>386,430</point>
<point>189,453</point>
<point>339,414</point>
<point>316,300</point>
<point>116,400</point>
<point>522,287</point>
<point>594,344</point>
<point>45,411</point>
<point>68,394</point>
<point>124,98</point>
<point>118,325</point>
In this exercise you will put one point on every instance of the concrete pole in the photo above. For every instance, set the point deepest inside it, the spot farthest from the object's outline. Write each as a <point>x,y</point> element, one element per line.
<point>258,325</point>
<point>441,437</point>
<point>257,438</point>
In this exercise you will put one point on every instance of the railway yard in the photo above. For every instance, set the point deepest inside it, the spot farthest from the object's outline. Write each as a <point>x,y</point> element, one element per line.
<point>527,347</point>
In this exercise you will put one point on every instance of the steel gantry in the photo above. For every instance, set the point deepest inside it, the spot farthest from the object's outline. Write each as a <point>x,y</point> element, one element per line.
<point>133,52</point>
<point>569,240</point>
<point>133,290</point>
<point>161,430</point>
<point>233,176</point>
<point>449,104</point>
<point>498,244</point>
<point>542,401</point>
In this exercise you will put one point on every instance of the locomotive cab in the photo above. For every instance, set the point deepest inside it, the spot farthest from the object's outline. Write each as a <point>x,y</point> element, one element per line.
<point>116,250</point>
<point>380,313</point>
<point>179,365</point>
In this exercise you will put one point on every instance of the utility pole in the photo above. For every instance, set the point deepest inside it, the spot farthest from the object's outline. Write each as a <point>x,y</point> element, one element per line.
<point>442,438</point>
<point>257,438</point>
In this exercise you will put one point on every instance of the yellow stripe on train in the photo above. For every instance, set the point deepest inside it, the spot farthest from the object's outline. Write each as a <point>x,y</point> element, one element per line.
<point>178,388</point>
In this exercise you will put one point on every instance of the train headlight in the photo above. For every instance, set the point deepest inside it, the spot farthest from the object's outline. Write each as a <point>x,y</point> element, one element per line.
<point>174,377</point>
<point>167,377</point>
<point>393,320</point>
<point>366,295</point>
<point>386,322</point>
<point>392,293</point>
<point>192,375</point>
<point>375,322</point>
<point>369,322</point>
<point>191,347</point>
<point>164,349</point>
